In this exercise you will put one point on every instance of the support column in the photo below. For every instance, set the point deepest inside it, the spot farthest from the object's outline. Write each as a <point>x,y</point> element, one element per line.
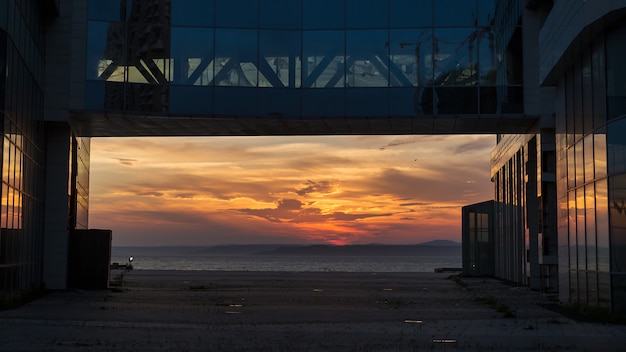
<point>56,233</point>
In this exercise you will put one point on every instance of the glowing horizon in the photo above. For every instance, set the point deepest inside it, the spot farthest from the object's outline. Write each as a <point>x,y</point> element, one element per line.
<point>305,190</point>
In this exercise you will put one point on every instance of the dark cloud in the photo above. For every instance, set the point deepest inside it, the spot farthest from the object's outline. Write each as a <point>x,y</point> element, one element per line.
<point>289,204</point>
<point>474,145</point>
<point>315,187</point>
<point>150,194</point>
<point>188,195</point>
<point>399,142</point>
<point>291,211</point>
<point>124,161</point>
<point>414,204</point>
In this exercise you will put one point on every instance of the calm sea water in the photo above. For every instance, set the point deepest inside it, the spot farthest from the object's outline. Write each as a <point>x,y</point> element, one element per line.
<point>292,263</point>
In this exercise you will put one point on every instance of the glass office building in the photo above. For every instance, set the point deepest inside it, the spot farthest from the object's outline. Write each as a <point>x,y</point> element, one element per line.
<point>545,76</point>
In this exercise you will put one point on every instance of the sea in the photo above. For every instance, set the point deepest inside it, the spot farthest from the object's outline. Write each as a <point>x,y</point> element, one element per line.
<point>311,263</point>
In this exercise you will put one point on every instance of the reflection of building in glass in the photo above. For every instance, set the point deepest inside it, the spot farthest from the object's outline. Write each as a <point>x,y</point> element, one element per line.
<point>553,89</point>
<point>478,239</point>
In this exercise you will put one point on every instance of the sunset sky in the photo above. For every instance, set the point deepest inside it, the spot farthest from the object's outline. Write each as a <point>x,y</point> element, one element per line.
<point>308,190</point>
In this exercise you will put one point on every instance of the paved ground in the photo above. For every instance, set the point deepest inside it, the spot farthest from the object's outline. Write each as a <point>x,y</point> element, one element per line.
<point>269,311</point>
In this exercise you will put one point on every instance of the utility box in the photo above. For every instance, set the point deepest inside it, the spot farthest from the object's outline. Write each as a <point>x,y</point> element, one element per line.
<point>89,259</point>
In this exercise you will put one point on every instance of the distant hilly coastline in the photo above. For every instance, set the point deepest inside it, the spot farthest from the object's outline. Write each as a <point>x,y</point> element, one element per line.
<point>432,248</point>
<point>368,250</point>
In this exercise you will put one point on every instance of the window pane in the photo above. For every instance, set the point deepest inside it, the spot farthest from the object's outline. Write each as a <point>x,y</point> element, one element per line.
<point>580,166</point>
<point>455,13</point>
<point>598,83</point>
<point>616,73</point>
<point>323,14</point>
<point>367,102</point>
<point>455,57</point>
<point>602,225</point>
<point>590,228</point>
<point>410,14</point>
<point>617,202</point>
<point>580,228</point>
<point>236,57</point>
<point>599,145</point>
<point>280,14</point>
<point>486,12</point>
<point>573,258</point>
<point>236,14</point>
<point>320,103</point>
<point>192,51</point>
<point>367,58</point>
<point>192,12</point>
<point>323,59</point>
<point>106,43</point>
<point>235,101</point>
<point>280,103</point>
<point>588,156</point>
<point>104,10</point>
<point>411,57</point>
<point>279,64</point>
<point>366,14</point>
<point>191,100</point>
<point>617,147</point>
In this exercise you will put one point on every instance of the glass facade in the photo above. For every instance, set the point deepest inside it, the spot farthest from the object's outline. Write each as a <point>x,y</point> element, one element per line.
<point>478,239</point>
<point>591,125</point>
<point>21,109</point>
<point>290,58</point>
<point>510,228</point>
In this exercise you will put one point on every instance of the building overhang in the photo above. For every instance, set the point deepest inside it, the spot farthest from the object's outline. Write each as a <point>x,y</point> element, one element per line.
<point>98,124</point>
<point>569,29</point>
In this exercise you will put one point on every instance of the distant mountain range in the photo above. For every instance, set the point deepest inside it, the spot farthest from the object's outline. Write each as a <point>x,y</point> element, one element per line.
<point>432,248</point>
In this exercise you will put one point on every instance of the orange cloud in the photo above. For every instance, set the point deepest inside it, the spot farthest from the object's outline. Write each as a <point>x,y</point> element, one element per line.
<point>334,189</point>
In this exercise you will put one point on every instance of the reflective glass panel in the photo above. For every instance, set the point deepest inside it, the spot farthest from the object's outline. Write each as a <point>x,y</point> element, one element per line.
<point>411,57</point>
<point>573,255</point>
<point>323,14</point>
<point>580,228</point>
<point>455,57</point>
<point>280,14</point>
<point>402,102</point>
<point>588,156</point>
<point>280,103</point>
<point>191,100</point>
<point>192,54</point>
<point>455,13</point>
<point>323,59</point>
<point>106,45</point>
<point>616,73</point>
<point>235,101</point>
<point>599,145</point>
<point>192,12</point>
<point>486,12</point>
<point>367,58</point>
<point>367,102</point>
<point>617,203</point>
<point>580,165</point>
<point>236,14</point>
<point>618,288</point>
<point>366,14</point>
<point>105,10</point>
<point>598,83</point>
<point>319,103</point>
<point>236,57</point>
<point>410,14</point>
<point>617,147</point>
<point>485,40</point>
<point>279,64</point>
<point>590,227</point>
<point>602,225</point>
